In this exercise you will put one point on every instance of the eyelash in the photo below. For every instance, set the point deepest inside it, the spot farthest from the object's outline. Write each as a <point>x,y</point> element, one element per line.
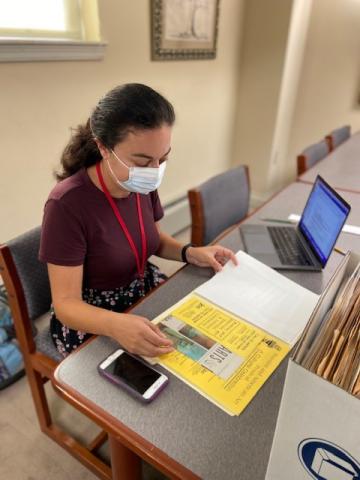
<point>166,159</point>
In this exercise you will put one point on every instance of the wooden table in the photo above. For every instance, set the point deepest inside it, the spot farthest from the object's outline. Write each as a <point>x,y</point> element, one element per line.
<point>181,433</point>
<point>341,168</point>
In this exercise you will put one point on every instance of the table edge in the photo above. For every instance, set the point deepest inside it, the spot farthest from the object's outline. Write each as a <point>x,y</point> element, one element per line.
<point>127,437</point>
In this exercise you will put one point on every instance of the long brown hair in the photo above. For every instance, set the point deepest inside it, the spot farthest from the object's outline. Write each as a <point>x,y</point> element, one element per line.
<point>129,106</point>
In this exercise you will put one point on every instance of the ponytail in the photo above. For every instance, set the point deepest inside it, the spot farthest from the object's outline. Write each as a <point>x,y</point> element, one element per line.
<point>81,151</point>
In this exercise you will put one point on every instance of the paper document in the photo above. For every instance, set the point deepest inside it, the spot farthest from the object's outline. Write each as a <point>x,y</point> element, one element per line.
<point>262,296</point>
<point>222,356</point>
<point>294,218</point>
<point>232,332</point>
<point>334,352</point>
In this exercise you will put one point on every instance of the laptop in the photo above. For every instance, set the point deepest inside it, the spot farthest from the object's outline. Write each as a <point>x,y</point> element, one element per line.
<point>306,246</point>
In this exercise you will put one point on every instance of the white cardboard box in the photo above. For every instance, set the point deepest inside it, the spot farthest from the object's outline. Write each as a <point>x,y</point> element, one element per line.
<point>318,428</point>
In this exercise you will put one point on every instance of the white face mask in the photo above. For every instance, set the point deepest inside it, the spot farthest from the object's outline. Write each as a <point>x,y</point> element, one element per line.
<point>141,179</point>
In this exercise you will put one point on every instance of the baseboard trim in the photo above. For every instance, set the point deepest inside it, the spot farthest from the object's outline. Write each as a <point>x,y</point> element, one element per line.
<point>177,216</point>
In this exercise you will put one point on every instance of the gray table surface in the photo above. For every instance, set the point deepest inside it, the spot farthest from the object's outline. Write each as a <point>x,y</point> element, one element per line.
<point>341,168</point>
<point>180,422</point>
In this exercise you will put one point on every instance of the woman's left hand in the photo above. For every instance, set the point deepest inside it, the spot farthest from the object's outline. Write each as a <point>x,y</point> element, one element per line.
<point>213,256</point>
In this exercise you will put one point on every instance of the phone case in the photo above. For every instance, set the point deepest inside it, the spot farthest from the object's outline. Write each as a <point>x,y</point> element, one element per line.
<point>119,383</point>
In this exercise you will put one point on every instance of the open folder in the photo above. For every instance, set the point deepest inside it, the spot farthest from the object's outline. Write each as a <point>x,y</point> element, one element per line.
<point>232,332</point>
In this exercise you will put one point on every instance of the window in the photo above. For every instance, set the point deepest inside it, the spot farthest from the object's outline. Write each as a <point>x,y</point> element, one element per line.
<point>40,19</point>
<point>33,29</point>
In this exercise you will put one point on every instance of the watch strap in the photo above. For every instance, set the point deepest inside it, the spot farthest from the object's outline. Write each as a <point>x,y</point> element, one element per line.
<point>183,252</point>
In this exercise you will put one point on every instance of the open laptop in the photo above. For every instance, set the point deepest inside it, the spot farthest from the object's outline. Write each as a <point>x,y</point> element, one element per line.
<point>308,245</point>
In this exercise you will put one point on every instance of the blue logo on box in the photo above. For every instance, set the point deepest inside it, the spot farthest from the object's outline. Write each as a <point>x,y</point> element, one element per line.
<point>324,460</point>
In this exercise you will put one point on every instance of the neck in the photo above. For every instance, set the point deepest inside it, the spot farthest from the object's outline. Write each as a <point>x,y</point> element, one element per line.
<point>114,188</point>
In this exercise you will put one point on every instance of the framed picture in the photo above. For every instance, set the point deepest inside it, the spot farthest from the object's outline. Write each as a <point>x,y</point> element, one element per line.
<point>184,29</point>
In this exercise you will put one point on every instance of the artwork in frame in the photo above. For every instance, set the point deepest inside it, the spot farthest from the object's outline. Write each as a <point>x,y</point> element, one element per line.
<point>184,29</point>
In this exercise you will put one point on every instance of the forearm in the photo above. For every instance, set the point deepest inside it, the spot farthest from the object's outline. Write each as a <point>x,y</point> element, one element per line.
<point>169,247</point>
<point>78,315</point>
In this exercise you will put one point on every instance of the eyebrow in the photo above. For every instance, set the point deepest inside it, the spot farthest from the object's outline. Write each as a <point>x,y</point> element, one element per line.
<point>148,157</point>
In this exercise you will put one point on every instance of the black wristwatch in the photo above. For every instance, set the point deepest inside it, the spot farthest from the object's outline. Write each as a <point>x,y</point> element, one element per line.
<point>184,250</point>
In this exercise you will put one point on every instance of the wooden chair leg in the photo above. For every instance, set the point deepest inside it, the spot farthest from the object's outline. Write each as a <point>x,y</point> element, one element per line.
<point>81,453</point>
<point>36,383</point>
<point>98,441</point>
<point>75,448</point>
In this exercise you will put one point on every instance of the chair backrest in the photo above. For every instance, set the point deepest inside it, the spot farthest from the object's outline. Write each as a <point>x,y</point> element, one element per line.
<point>219,203</point>
<point>26,280</point>
<point>338,136</point>
<point>312,155</point>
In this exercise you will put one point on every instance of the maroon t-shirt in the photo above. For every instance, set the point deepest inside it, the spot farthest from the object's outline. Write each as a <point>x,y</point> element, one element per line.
<point>80,228</point>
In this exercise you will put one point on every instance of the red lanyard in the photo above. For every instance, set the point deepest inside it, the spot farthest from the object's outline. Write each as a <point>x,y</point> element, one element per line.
<point>140,265</point>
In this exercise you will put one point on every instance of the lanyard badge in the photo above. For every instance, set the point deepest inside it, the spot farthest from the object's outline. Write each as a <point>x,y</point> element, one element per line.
<point>140,263</point>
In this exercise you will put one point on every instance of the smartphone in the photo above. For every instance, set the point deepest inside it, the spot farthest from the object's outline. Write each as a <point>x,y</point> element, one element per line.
<point>133,374</point>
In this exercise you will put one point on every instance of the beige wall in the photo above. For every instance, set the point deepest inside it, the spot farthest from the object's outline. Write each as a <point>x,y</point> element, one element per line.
<point>291,75</point>
<point>266,26</point>
<point>253,81</point>
<point>299,79</point>
<point>41,101</point>
<point>330,80</point>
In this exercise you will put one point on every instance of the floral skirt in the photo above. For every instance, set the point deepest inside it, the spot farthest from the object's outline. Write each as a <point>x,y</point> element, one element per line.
<point>118,300</point>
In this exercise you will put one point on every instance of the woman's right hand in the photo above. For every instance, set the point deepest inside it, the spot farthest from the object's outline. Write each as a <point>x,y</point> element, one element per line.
<point>139,336</point>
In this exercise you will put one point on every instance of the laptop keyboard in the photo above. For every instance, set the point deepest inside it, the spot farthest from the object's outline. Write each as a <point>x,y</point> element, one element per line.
<point>288,246</point>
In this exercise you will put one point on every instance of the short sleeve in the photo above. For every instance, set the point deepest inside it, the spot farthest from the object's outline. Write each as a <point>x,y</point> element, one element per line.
<point>63,239</point>
<point>157,207</point>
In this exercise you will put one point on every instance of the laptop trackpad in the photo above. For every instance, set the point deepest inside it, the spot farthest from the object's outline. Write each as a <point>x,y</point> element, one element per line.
<point>259,243</point>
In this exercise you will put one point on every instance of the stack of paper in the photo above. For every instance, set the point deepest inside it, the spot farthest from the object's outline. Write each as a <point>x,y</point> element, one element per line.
<point>334,352</point>
<point>232,332</point>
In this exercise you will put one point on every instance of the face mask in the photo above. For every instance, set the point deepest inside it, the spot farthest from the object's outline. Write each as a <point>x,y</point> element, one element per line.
<point>141,179</point>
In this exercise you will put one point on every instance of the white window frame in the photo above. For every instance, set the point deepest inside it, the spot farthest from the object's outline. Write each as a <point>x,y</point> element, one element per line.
<point>30,49</point>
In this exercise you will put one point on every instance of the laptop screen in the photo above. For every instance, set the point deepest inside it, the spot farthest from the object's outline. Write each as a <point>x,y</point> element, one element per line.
<point>324,215</point>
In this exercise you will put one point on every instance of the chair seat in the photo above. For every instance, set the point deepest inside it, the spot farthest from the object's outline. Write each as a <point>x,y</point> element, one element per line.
<point>45,345</point>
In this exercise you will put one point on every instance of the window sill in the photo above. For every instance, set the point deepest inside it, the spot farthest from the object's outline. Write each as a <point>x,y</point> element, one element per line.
<point>19,50</point>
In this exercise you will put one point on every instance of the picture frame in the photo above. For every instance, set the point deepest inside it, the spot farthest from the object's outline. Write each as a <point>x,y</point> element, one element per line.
<point>184,29</point>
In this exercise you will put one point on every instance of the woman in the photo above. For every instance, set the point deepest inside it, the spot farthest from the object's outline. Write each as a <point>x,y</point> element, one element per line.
<point>101,225</point>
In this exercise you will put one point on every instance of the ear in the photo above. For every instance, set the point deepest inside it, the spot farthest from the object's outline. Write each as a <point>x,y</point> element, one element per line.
<point>105,153</point>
